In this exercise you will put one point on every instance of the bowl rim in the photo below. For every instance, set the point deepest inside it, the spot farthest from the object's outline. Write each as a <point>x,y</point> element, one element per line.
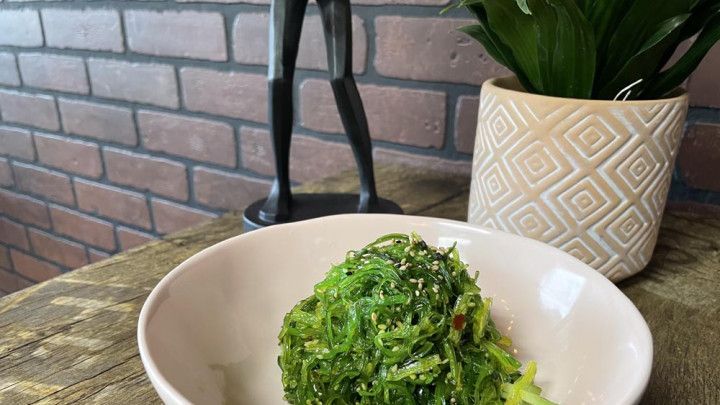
<point>160,383</point>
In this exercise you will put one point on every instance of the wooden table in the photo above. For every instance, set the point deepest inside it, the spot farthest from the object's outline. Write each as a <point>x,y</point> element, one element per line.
<point>72,339</point>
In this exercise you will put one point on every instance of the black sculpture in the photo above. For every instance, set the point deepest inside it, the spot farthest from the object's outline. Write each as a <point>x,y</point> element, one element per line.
<point>281,206</point>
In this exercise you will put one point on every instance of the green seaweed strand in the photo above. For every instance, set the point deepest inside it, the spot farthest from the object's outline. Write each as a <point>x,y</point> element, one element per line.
<point>399,322</point>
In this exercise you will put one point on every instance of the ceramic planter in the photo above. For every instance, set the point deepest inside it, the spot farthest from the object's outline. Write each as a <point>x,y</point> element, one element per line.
<point>587,176</point>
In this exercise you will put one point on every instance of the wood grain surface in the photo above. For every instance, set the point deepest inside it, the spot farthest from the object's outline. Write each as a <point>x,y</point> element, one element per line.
<point>72,339</point>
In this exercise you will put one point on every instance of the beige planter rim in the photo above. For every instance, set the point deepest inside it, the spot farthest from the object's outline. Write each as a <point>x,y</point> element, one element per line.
<point>510,85</point>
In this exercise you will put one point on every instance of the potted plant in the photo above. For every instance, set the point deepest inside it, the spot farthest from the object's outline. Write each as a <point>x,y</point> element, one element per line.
<point>577,149</point>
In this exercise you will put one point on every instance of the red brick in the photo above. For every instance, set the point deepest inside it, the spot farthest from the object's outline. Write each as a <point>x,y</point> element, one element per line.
<point>226,1</point>
<point>692,207</point>
<point>70,155</point>
<point>408,2</point>
<point>158,175</point>
<point>93,29</point>
<point>130,238</point>
<point>431,49</point>
<point>170,217</point>
<point>193,138</point>
<point>699,158</point>
<point>112,202</point>
<point>8,282</point>
<point>6,179</point>
<point>148,83</point>
<point>24,209</point>
<point>85,228</point>
<point>32,268</point>
<point>232,94</point>
<point>21,27</point>
<point>429,163</point>
<point>100,121</point>
<point>704,84</point>
<point>40,181</point>
<point>5,262</point>
<point>96,255</point>
<point>466,113</point>
<point>54,72</point>
<point>407,116</point>
<point>224,190</point>
<point>250,33</point>
<point>16,142</point>
<point>13,234</point>
<point>8,70</point>
<point>11,282</point>
<point>58,250</point>
<point>36,110</point>
<point>257,155</point>
<point>185,34</point>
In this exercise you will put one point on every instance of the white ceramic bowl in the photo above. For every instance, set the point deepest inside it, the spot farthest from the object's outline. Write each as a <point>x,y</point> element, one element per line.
<point>208,331</point>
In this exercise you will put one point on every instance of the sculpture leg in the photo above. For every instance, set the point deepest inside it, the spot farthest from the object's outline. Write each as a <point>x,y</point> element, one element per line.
<point>286,17</point>
<point>336,18</point>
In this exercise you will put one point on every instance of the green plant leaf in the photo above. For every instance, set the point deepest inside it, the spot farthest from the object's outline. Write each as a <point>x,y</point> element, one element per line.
<point>701,14</point>
<point>594,48</point>
<point>646,62</point>
<point>603,15</point>
<point>479,33</point>
<point>516,30</point>
<point>523,6</point>
<point>565,47</point>
<point>636,27</point>
<point>669,79</point>
<point>492,44</point>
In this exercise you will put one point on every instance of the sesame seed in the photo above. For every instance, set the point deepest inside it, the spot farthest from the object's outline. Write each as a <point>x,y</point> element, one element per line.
<point>434,268</point>
<point>412,254</point>
<point>403,261</point>
<point>421,280</point>
<point>382,296</point>
<point>417,293</point>
<point>403,267</point>
<point>436,262</point>
<point>452,400</point>
<point>407,249</point>
<point>373,316</point>
<point>412,280</point>
<point>454,273</point>
<point>392,284</point>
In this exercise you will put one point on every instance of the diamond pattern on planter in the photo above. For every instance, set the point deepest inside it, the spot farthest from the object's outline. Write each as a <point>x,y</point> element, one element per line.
<point>588,177</point>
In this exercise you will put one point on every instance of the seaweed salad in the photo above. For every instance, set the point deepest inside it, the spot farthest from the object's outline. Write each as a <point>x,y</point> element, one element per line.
<point>400,322</point>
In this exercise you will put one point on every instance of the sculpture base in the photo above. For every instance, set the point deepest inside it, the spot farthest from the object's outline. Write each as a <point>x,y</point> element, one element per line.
<point>307,206</point>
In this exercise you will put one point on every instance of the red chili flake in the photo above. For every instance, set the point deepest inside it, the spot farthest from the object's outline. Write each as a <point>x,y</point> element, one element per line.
<point>459,322</point>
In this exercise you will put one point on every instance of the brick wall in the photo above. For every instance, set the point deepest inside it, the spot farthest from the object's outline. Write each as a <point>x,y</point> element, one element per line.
<point>124,121</point>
